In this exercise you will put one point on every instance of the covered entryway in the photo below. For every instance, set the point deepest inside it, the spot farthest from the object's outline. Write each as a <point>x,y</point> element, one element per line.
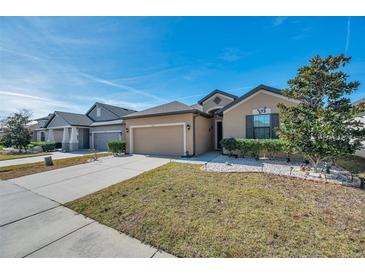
<point>101,139</point>
<point>166,139</point>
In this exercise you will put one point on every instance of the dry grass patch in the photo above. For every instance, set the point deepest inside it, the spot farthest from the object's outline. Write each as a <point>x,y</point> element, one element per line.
<point>192,213</point>
<point>15,171</point>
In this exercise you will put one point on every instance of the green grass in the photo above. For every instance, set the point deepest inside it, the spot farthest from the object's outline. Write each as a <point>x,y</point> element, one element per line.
<point>4,157</point>
<point>15,171</point>
<point>192,213</point>
<point>353,163</point>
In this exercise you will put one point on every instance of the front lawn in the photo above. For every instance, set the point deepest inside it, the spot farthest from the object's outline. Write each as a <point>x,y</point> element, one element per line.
<point>192,213</point>
<point>15,171</point>
<point>4,157</point>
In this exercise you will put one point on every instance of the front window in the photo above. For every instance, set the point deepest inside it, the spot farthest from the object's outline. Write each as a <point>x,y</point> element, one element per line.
<point>261,126</point>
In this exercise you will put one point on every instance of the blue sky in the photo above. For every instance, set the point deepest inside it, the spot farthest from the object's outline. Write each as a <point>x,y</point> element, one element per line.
<point>68,63</point>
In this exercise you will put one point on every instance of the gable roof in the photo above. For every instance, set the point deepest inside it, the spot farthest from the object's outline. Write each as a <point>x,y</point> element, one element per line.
<point>174,107</point>
<point>118,111</point>
<point>49,116</point>
<point>73,119</point>
<point>217,91</point>
<point>248,94</point>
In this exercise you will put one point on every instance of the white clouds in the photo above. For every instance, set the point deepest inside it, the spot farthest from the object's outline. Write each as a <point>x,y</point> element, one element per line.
<point>39,106</point>
<point>123,87</point>
<point>347,44</point>
<point>279,21</point>
<point>20,54</point>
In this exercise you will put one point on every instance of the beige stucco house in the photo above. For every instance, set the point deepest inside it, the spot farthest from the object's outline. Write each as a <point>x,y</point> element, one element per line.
<point>169,129</point>
<point>178,129</point>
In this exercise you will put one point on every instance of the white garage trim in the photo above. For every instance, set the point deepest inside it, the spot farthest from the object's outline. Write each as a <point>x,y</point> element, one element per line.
<point>183,124</point>
<point>103,131</point>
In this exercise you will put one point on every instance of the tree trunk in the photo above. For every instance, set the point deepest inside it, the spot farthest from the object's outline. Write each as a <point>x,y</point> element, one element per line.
<point>315,163</point>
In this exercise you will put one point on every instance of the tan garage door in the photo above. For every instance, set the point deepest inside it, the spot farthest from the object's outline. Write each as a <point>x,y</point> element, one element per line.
<point>165,140</point>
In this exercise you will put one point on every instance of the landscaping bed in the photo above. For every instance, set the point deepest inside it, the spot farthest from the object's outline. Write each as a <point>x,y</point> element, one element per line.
<point>15,171</point>
<point>294,168</point>
<point>189,212</point>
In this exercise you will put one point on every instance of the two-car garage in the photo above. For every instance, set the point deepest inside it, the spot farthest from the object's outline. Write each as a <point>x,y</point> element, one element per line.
<point>171,129</point>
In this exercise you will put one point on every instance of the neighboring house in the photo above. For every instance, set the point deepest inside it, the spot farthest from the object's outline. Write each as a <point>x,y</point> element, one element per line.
<point>361,152</point>
<point>101,124</point>
<point>177,129</point>
<point>38,129</point>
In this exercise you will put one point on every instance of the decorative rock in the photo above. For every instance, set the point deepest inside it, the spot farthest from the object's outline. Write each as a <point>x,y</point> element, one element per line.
<point>295,169</point>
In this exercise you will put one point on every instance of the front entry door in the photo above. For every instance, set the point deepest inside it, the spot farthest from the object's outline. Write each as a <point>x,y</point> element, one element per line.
<point>219,134</point>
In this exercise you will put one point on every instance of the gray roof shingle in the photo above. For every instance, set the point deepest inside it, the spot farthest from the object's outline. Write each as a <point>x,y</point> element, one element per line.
<point>174,107</point>
<point>119,111</point>
<point>74,119</point>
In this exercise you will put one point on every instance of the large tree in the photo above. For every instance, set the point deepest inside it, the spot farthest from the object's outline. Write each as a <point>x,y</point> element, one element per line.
<point>323,125</point>
<point>17,133</point>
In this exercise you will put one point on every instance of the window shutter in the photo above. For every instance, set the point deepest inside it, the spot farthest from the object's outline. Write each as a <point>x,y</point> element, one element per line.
<point>274,120</point>
<point>249,126</point>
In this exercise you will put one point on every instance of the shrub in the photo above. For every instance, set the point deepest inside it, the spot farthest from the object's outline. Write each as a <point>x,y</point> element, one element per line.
<point>229,144</point>
<point>117,147</point>
<point>45,146</point>
<point>253,147</point>
<point>58,145</point>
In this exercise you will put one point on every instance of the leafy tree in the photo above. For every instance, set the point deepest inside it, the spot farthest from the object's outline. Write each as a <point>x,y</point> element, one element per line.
<point>17,133</point>
<point>323,125</point>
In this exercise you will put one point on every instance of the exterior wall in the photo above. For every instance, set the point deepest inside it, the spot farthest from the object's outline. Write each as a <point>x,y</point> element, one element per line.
<point>234,122</point>
<point>83,138</point>
<point>105,114</point>
<point>58,122</point>
<point>209,104</point>
<point>204,134</point>
<point>58,135</point>
<point>178,118</point>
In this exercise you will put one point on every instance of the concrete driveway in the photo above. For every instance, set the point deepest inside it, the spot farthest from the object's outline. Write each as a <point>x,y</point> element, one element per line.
<point>33,222</point>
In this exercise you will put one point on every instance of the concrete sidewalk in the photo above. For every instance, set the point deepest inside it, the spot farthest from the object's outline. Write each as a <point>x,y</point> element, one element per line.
<point>33,222</point>
<point>55,155</point>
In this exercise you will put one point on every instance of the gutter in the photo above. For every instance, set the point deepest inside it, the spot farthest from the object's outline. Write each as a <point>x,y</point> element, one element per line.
<point>195,111</point>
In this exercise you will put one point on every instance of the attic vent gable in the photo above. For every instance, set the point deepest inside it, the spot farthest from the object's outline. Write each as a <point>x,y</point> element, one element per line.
<point>217,100</point>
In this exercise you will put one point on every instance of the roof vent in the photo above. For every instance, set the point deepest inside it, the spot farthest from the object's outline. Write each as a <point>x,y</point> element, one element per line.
<point>217,100</point>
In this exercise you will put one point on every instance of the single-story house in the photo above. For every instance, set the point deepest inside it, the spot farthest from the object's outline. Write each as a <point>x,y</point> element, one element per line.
<point>178,129</point>
<point>170,129</point>
<point>101,124</point>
